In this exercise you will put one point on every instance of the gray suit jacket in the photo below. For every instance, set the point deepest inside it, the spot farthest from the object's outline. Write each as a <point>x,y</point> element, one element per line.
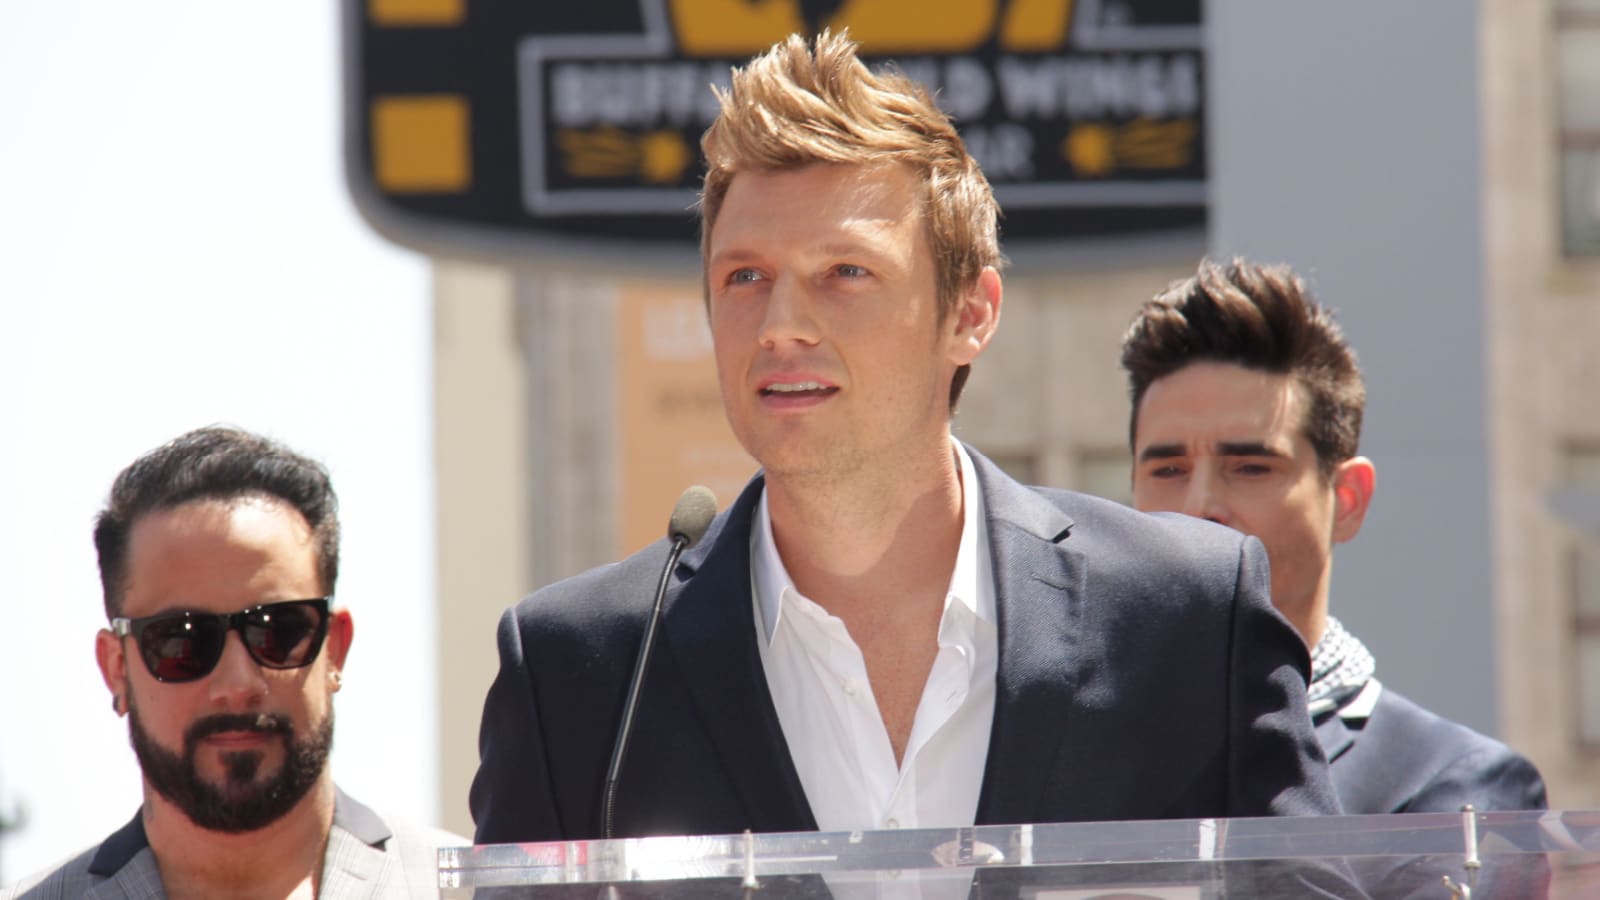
<point>367,857</point>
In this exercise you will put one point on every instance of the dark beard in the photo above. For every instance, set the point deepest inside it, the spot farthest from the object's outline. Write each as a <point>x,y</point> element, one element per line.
<point>243,803</point>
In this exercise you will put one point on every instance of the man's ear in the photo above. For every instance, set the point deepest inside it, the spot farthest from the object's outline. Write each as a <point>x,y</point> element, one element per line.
<point>975,318</point>
<point>113,667</point>
<point>1354,480</point>
<point>341,630</point>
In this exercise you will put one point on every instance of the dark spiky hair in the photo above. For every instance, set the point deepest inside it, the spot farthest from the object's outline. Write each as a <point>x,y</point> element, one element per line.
<point>1260,317</point>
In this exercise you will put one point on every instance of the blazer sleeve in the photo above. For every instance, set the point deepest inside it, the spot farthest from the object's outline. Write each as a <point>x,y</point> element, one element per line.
<point>1275,764</point>
<point>511,797</point>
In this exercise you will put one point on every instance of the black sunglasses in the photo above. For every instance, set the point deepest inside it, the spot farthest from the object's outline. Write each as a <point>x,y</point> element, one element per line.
<point>184,646</point>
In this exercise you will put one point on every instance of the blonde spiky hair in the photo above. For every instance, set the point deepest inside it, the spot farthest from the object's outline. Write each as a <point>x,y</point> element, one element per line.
<point>797,105</point>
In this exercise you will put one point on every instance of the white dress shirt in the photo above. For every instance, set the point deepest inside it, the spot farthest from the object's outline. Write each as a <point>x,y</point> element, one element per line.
<point>836,736</point>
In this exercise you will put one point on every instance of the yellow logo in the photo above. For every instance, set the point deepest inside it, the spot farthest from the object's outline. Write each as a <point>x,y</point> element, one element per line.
<point>881,27</point>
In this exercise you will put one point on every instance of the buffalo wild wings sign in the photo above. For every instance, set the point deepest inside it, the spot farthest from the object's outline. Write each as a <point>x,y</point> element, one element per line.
<point>495,122</point>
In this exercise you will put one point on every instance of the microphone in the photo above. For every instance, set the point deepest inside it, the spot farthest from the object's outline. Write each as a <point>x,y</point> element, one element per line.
<point>691,516</point>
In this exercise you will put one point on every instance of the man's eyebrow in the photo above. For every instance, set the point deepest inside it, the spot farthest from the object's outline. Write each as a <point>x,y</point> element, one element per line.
<point>849,248</point>
<point>1249,448</point>
<point>1226,448</point>
<point>733,255</point>
<point>1162,451</point>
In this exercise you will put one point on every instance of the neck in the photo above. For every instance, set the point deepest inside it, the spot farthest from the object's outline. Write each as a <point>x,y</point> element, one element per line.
<point>1313,624</point>
<point>283,859</point>
<point>1310,617</point>
<point>858,538</point>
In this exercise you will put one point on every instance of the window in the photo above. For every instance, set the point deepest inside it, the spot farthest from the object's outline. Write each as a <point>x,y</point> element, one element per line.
<point>1579,502</point>
<point>1578,108</point>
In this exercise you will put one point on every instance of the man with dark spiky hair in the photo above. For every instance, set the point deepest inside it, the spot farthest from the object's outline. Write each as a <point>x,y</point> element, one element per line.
<point>1247,406</point>
<point>218,555</point>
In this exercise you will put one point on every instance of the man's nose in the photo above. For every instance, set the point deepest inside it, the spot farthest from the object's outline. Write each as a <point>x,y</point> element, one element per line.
<point>237,682</point>
<point>1205,498</point>
<point>789,314</point>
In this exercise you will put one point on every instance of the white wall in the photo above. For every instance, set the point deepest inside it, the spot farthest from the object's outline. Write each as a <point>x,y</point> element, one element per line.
<point>177,249</point>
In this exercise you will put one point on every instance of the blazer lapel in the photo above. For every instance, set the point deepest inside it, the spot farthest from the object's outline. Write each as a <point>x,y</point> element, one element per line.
<point>709,624</point>
<point>351,868</point>
<point>1334,736</point>
<point>138,879</point>
<point>1038,592</point>
<point>126,861</point>
<point>354,863</point>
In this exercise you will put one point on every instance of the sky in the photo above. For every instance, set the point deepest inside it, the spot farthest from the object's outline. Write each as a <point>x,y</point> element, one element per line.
<point>177,249</point>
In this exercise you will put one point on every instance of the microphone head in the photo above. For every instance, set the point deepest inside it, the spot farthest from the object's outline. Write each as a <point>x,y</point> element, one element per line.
<point>692,515</point>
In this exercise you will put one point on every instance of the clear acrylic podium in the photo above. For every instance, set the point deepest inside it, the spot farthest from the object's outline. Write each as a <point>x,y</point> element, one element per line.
<point>1480,855</point>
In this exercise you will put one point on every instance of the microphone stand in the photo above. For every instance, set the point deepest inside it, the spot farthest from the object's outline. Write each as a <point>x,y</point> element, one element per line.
<point>620,750</point>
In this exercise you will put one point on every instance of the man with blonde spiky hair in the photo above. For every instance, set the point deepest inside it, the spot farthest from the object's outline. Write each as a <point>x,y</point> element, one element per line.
<point>884,630</point>
<point>795,110</point>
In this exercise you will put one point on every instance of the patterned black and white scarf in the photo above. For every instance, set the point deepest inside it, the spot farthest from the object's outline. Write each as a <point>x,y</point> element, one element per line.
<point>1340,667</point>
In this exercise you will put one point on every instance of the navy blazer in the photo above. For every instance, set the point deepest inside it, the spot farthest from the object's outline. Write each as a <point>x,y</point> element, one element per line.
<point>1404,759</point>
<point>1143,673</point>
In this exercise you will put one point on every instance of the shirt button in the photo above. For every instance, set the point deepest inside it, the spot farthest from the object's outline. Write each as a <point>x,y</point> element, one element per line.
<point>893,823</point>
<point>849,687</point>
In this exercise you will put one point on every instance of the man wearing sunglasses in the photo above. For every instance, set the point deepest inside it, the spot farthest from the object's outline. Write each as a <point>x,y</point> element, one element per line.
<point>218,554</point>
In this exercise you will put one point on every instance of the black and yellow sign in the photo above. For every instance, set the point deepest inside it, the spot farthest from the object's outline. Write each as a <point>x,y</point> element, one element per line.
<point>473,120</point>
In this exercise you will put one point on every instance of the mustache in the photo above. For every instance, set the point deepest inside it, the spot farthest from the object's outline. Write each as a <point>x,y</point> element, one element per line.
<point>265,723</point>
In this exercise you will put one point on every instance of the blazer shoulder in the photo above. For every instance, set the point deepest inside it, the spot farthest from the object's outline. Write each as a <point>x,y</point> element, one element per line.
<point>1397,718</point>
<point>1160,546</point>
<point>598,597</point>
<point>412,841</point>
<point>1096,517</point>
<point>604,596</point>
<point>403,863</point>
<point>1407,758</point>
<point>67,880</point>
